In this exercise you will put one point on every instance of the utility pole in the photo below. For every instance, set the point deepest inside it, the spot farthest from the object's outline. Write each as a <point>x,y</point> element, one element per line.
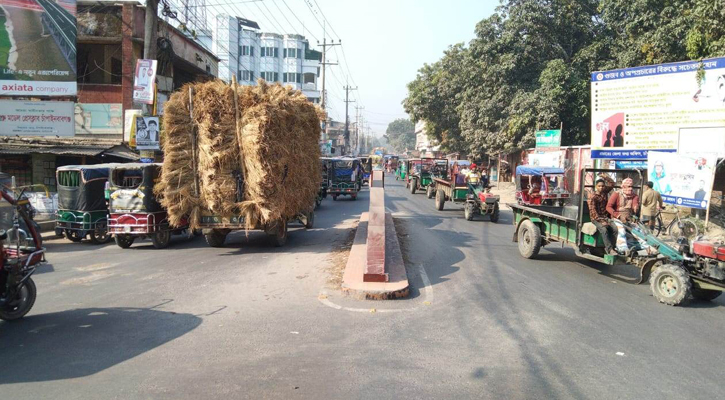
<point>357,127</point>
<point>149,39</point>
<point>323,63</point>
<point>347,115</point>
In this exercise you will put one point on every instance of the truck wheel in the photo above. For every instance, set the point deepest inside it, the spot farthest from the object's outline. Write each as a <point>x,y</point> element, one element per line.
<point>124,241</point>
<point>670,285</point>
<point>468,211</point>
<point>495,214</point>
<point>705,294</point>
<point>21,305</point>
<point>73,235</point>
<point>216,238</point>
<point>161,239</point>
<point>100,234</point>
<point>440,199</point>
<point>279,233</point>
<point>413,185</point>
<point>310,220</point>
<point>529,239</point>
<point>430,192</point>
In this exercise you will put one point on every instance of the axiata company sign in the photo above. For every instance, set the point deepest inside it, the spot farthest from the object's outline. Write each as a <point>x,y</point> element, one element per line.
<point>662,108</point>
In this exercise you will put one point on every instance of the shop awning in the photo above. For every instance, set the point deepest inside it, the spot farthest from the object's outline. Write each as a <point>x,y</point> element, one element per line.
<point>67,146</point>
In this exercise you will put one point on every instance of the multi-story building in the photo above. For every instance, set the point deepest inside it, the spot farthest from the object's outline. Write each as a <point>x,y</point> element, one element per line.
<point>422,142</point>
<point>250,54</point>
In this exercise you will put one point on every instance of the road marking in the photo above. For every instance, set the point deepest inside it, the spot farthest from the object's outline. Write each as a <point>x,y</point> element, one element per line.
<point>323,298</point>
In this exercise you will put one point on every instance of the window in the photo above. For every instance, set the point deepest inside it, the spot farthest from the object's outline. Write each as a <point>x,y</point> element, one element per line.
<point>247,51</point>
<point>270,52</point>
<point>309,77</point>
<point>291,77</point>
<point>291,53</point>
<point>245,75</point>
<point>270,76</point>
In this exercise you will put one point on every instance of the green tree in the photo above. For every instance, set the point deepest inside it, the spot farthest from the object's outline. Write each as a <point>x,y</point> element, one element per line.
<point>400,134</point>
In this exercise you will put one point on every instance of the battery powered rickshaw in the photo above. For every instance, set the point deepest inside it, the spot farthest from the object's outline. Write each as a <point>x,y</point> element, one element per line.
<point>134,210</point>
<point>345,178</point>
<point>421,171</point>
<point>82,209</point>
<point>20,253</point>
<point>536,186</point>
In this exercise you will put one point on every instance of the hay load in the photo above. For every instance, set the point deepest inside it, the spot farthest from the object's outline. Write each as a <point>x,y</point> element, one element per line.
<point>259,160</point>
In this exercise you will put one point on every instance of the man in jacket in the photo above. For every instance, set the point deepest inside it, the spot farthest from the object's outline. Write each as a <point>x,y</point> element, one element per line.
<point>651,204</point>
<point>598,212</point>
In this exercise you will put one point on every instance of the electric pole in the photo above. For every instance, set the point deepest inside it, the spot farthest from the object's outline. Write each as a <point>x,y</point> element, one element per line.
<point>357,127</point>
<point>323,63</point>
<point>347,115</point>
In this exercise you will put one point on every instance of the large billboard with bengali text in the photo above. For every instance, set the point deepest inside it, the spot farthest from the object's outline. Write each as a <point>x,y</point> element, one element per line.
<point>656,107</point>
<point>38,48</point>
<point>36,118</point>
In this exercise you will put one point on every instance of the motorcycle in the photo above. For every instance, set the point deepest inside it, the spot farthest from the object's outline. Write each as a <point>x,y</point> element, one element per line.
<point>21,252</point>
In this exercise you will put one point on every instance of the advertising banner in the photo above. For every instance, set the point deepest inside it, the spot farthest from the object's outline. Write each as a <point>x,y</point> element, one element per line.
<point>656,108</point>
<point>144,81</point>
<point>102,118</point>
<point>147,133</point>
<point>38,48</point>
<point>549,138</point>
<point>36,118</point>
<point>680,179</point>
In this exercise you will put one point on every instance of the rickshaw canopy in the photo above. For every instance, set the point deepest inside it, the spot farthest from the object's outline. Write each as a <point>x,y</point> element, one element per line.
<point>538,171</point>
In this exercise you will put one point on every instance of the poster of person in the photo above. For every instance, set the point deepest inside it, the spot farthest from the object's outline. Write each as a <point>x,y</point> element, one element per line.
<point>683,180</point>
<point>38,48</point>
<point>657,108</point>
<point>144,81</point>
<point>147,133</point>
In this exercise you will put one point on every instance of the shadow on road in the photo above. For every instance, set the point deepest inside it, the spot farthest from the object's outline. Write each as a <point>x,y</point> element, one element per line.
<point>82,342</point>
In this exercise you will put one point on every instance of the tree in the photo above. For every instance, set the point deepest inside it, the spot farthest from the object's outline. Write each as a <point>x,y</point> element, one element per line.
<point>400,134</point>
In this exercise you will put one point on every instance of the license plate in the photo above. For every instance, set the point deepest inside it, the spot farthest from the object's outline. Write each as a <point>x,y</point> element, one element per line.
<point>127,229</point>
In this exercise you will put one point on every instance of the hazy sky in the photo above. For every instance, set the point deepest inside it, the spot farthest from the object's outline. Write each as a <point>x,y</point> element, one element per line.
<point>385,42</point>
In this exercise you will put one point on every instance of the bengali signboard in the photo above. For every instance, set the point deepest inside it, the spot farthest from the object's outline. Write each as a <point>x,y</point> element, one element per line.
<point>36,118</point>
<point>654,108</point>
<point>680,179</point>
<point>38,48</point>
<point>144,81</point>
<point>548,138</point>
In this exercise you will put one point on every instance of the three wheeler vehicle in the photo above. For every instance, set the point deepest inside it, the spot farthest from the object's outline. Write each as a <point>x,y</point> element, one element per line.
<point>134,211</point>
<point>345,178</point>
<point>82,208</point>
<point>421,171</point>
<point>476,199</point>
<point>537,186</point>
<point>21,252</point>
<point>677,272</point>
<point>402,170</point>
<point>366,166</point>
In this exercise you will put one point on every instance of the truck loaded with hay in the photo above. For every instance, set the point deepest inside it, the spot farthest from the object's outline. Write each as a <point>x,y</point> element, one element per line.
<point>240,158</point>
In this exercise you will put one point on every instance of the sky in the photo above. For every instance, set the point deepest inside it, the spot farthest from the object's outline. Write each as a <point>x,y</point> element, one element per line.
<point>385,42</point>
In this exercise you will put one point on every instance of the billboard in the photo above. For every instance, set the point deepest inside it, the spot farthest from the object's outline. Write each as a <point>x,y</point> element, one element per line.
<point>144,81</point>
<point>548,138</point>
<point>36,118</point>
<point>680,179</point>
<point>656,108</point>
<point>102,118</point>
<point>38,48</point>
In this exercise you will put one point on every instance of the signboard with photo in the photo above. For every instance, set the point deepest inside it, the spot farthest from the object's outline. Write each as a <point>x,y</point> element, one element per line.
<point>682,180</point>
<point>38,48</point>
<point>144,81</point>
<point>656,108</point>
<point>147,133</point>
<point>36,118</point>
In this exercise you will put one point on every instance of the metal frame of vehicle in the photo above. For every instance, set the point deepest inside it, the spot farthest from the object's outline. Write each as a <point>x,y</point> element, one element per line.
<point>344,188</point>
<point>545,196</point>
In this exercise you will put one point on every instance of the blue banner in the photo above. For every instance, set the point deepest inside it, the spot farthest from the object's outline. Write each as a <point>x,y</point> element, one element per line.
<point>630,164</point>
<point>626,154</point>
<point>685,202</point>
<point>661,69</point>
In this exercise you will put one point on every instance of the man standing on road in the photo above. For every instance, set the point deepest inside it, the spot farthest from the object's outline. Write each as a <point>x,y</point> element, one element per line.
<point>598,211</point>
<point>651,205</point>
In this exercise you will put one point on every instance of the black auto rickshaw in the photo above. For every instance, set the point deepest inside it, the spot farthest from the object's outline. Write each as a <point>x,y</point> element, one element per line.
<point>134,209</point>
<point>82,208</point>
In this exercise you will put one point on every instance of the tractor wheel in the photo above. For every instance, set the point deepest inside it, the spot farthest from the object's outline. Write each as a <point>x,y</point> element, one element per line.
<point>468,211</point>
<point>705,294</point>
<point>161,239</point>
<point>440,199</point>
<point>216,238</point>
<point>529,239</point>
<point>670,285</point>
<point>413,185</point>
<point>124,241</point>
<point>73,235</point>
<point>495,214</point>
<point>310,220</point>
<point>23,302</point>
<point>279,233</point>
<point>100,234</point>
<point>430,192</point>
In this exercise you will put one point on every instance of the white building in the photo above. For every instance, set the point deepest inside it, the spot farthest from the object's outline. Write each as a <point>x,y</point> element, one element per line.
<point>422,143</point>
<point>250,54</point>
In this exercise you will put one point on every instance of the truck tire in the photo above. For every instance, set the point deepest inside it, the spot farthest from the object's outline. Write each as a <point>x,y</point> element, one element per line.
<point>430,192</point>
<point>413,185</point>
<point>705,294</point>
<point>23,302</point>
<point>529,238</point>
<point>310,221</point>
<point>161,239</point>
<point>279,233</point>
<point>495,213</point>
<point>124,241</point>
<point>440,199</point>
<point>670,285</point>
<point>468,211</point>
<point>216,238</point>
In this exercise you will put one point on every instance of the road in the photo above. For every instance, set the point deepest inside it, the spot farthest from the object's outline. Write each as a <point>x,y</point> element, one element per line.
<point>253,321</point>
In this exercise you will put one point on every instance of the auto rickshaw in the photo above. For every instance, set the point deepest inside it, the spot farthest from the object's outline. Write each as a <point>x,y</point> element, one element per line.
<point>82,208</point>
<point>366,164</point>
<point>537,186</point>
<point>421,170</point>
<point>21,251</point>
<point>134,210</point>
<point>345,178</point>
<point>402,170</point>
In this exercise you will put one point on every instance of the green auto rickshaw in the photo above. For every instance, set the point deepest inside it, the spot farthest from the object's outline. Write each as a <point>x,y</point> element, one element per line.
<point>82,202</point>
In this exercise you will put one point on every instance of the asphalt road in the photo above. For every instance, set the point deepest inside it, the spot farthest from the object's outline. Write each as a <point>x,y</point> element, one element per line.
<point>253,321</point>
